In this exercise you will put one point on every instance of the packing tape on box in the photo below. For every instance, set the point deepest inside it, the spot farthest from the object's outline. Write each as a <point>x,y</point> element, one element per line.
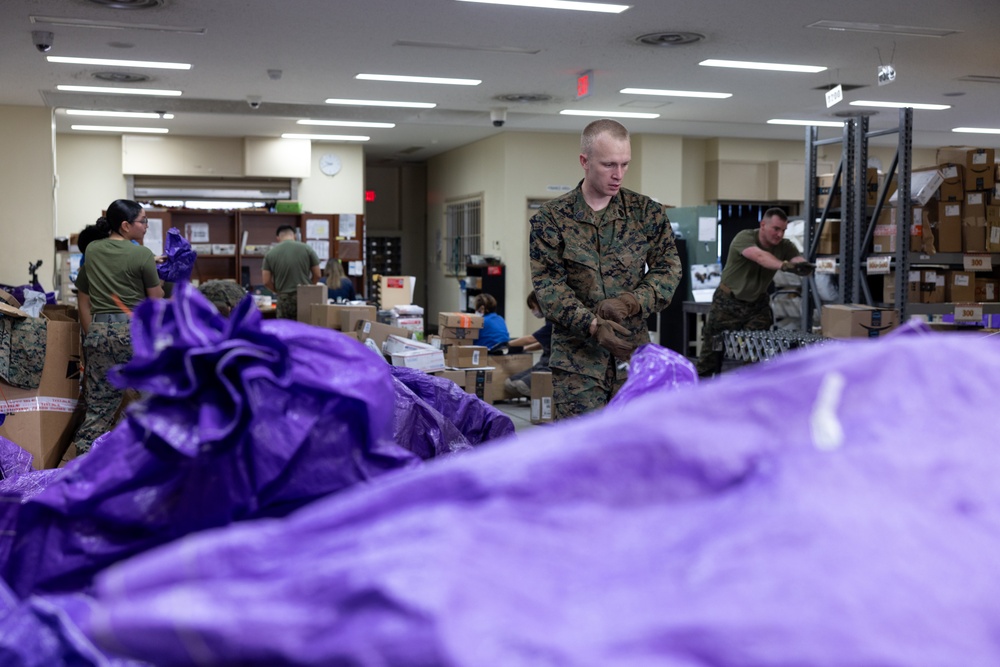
<point>38,404</point>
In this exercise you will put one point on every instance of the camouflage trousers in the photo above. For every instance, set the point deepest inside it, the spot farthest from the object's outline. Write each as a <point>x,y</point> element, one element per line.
<point>107,344</point>
<point>288,306</point>
<point>575,394</point>
<point>730,314</point>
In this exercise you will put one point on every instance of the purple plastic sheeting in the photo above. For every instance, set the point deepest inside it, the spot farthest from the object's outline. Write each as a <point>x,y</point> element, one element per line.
<point>456,419</point>
<point>244,418</point>
<point>653,368</point>
<point>180,257</point>
<point>810,511</point>
<point>13,459</point>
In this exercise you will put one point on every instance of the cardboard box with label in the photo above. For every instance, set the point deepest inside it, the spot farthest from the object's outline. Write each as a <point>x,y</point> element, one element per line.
<point>949,227</point>
<point>987,290</point>
<point>480,383</point>
<point>825,189</point>
<point>460,320</point>
<point>924,184</point>
<point>43,420</point>
<point>466,356</point>
<point>428,359</point>
<point>921,228</point>
<point>993,229</point>
<point>378,333</point>
<point>541,397</point>
<point>974,235</point>
<point>855,321</point>
<point>961,287</point>
<point>913,287</point>
<point>307,296</point>
<point>979,164</point>
<point>932,285</point>
<point>506,365</point>
<point>396,291</point>
<point>953,182</point>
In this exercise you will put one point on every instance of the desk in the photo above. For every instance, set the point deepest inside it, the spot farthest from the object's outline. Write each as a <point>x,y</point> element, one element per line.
<point>699,311</point>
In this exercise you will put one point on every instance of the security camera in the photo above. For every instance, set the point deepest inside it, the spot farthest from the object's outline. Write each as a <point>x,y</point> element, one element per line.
<point>42,39</point>
<point>254,101</point>
<point>499,116</point>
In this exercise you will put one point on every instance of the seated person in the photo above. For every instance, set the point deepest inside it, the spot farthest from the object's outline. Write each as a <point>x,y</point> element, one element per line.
<point>224,294</point>
<point>494,332</point>
<point>520,383</point>
<point>338,286</point>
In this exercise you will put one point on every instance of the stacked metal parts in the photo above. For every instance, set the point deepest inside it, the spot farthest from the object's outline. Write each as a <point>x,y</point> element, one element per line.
<point>754,346</point>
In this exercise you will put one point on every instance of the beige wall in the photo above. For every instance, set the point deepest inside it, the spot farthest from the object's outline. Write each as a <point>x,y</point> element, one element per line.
<point>90,178</point>
<point>343,193</point>
<point>26,189</point>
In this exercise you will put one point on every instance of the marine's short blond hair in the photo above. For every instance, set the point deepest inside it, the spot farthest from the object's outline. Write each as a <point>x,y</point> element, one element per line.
<point>612,128</point>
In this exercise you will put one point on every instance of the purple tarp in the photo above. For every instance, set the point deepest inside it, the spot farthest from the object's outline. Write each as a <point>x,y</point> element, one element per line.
<point>837,506</point>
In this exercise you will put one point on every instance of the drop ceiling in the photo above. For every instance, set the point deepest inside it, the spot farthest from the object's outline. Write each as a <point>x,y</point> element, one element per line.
<point>527,59</point>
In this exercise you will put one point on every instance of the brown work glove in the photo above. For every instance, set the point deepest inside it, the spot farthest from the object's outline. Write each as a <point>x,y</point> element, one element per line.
<point>803,268</point>
<point>787,266</point>
<point>614,338</point>
<point>618,308</point>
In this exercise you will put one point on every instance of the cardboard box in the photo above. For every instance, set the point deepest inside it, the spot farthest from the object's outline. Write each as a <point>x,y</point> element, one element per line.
<point>506,365</point>
<point>466,356</point>
<point>953,183</point>
<point>829,238</point>
<point>975,204</point>
<point>307,296</point>
<point>480,382</point>
<point>961,287</point>
<point>913,287</point>
<point>979,164</point>
<point>826,190</point>
<point>921,228</point>
<point>396,291</point>
<point>987,290</point>
<point>43,420</point>
<point>458,377</point>
<point>460,333</point>
<point>949,227</point>
<point>924,184</point>
<point>541,397</point>
<point>460,320</point>
<point>974,235</point>
<point>992,234</point>
<point>932,286</point>
<point>378,333</point>
<point>852,321</point>
<point>342,317</point>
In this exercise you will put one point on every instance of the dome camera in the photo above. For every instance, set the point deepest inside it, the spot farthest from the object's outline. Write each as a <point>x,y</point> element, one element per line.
<point>254,101</point>
<point>42,40</point>
<point>499,116</point>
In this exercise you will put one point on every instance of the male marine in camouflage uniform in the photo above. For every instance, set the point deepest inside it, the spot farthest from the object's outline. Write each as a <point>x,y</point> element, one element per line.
<point>603,259</point>
<point>741,301</point>
<point>224,294</point>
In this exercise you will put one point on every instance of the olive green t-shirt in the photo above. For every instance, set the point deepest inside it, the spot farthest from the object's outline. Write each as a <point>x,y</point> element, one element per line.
<point>116,267</point>
<point>290,263</point>
<point>746,278</point>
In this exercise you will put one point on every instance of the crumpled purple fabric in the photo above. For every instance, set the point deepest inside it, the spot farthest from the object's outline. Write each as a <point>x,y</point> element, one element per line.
<point>13,460</point>
<point>180,257</point>
<point>654,368</point>
<point>837,506</point>
<point>454,421</point>
<point>244,418</point>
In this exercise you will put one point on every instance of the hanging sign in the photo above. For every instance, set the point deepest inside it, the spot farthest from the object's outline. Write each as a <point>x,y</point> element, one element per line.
<point>834,95</point>
<point>886,74</point>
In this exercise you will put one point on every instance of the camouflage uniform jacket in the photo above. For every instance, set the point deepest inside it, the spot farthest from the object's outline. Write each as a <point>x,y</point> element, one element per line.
<point>571,273</point>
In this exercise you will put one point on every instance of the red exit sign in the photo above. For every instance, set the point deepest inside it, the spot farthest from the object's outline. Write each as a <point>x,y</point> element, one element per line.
<point>583,81</point>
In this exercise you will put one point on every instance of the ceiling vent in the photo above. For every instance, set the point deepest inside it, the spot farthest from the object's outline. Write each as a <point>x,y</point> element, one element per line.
<point>121,77</point>
<point>128,4</point>
<point>523,98</point>
<point>669,38</point>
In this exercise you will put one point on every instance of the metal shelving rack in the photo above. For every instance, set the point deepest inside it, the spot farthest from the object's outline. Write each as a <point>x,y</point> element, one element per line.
<point>857,220</point>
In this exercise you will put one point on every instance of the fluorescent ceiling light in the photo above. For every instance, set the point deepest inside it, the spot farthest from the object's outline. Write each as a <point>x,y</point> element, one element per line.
<point>119,91</point>
<point>900,105</point>
<point>325,137</point>
<point>817,123</point>
<point>884,28</point>
<point>381,103</point>
<point>418,79</point>
<point>978,130</point>
<point>127,130</point>
<point>152,64</point>
<point>773,67</point>
<point>608,114</point>
<point>114,25</point>
<point>119,114</point>
<point>344,123</point>
<point>558,4</point>
<point>674,93</point>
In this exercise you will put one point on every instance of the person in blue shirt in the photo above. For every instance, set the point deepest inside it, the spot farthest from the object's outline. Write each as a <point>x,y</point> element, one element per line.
<point>494,332</point>
<point>338,286</point>
<point>520,383</point>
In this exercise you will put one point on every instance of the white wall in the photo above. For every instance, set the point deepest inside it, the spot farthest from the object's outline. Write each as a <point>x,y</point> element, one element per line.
<point>343,193</point>
<point>90,178</point>
<point>26,189</point>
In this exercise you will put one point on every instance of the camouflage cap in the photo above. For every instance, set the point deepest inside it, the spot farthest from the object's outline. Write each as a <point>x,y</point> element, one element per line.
<point>224,294</point>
